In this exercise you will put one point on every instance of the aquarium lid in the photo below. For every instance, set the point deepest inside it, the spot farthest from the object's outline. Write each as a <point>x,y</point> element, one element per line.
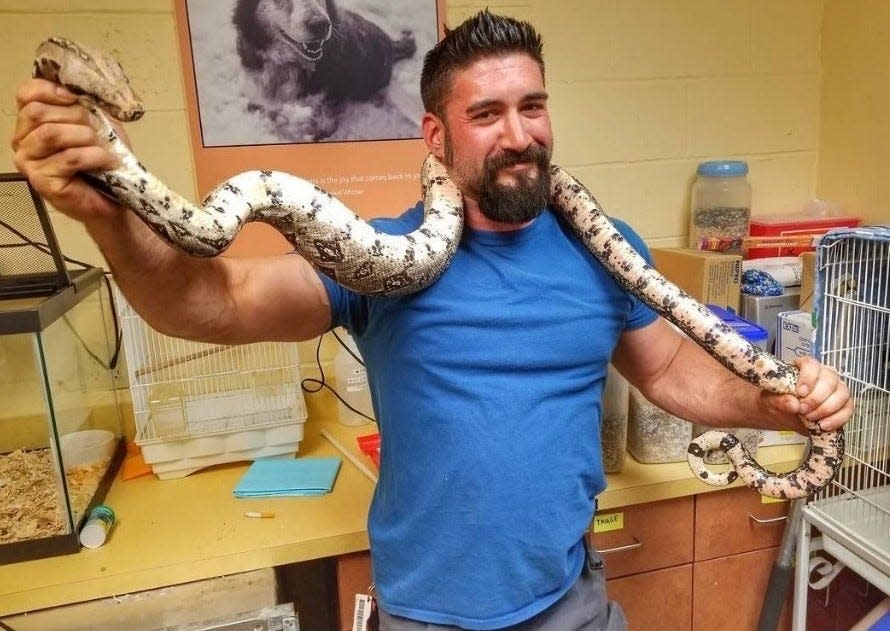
<point>31,262</point>
<point>33,314</point>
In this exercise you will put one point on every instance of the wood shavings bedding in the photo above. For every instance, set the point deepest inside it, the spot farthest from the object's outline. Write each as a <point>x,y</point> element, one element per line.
<point>30,505</point>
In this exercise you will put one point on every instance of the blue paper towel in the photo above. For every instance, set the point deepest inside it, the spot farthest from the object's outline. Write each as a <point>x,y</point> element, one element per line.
<point>276,477</point>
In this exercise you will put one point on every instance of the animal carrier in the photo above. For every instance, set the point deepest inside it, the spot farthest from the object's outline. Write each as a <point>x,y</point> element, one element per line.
<point>197,405</point>
<point>851,515</point>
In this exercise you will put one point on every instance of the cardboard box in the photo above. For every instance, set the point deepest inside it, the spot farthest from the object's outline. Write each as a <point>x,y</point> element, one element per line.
<point>764,310</point>
<point>794,335</point>
<point>709,277</point>
<point>807,280</point>
<point>794,338</point>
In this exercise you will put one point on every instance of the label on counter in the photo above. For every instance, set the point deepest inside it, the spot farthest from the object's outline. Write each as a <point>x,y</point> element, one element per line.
<point>608,522</point>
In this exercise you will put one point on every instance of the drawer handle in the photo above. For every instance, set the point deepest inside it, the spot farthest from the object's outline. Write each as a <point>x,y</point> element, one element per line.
<point>774,520</point>
<point>631,546</point>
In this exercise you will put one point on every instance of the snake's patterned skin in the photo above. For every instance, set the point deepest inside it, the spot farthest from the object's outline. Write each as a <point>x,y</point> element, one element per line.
<point>349,250</point>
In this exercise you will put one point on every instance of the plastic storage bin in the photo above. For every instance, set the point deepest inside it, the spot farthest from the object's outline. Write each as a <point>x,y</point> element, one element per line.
<point>653,435</point>
<point>793,226</point>
<point>721,205</point>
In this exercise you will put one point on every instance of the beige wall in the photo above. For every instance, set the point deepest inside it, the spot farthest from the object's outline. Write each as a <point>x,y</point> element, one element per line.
<point>142,34</point>
<point>642,90</point>
<point>854,151</point>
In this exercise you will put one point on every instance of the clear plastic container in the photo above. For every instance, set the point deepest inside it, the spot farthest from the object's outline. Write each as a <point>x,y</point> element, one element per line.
<point>352,384</point>
<point>721,206</point>
<point>655,436</point>
<point>614,424</point>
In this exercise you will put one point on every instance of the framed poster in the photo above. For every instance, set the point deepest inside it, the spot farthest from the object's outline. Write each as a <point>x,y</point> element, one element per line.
<point>327,90</point>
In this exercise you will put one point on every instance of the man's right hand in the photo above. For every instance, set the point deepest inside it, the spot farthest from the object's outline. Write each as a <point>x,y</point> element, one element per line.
<point>55,138</point>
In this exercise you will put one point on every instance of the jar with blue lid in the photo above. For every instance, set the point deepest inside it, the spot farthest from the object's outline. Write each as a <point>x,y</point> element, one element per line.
<point>721,206</point>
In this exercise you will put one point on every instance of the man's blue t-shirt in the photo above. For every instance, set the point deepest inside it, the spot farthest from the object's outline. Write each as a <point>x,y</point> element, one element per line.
<point>487,389</point>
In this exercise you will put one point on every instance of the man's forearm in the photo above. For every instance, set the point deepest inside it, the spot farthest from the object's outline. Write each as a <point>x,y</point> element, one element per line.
<point>176,294</point>
<point>698,388</point>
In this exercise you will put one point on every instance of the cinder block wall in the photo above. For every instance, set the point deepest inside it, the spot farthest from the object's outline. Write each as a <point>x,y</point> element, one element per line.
<point>142,34</point>
<point>642,90</point>
<point>854,146</point>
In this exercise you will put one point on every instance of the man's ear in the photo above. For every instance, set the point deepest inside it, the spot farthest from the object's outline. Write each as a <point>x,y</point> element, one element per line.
<point>433,130</point>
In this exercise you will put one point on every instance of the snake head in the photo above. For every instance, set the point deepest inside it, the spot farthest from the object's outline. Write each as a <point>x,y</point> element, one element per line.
<point>89,73</point>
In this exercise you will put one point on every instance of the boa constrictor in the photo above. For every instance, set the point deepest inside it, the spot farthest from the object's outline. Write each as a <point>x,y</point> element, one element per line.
<point>349,250</point>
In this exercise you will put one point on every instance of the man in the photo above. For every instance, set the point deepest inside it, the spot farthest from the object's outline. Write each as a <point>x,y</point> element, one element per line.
<point>487,384</point>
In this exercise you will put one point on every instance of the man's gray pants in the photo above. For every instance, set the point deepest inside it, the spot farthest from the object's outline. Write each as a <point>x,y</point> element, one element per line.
<point>583,608</point>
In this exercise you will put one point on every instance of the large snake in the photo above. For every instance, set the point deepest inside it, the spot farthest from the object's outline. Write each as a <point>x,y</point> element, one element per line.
<point>346,248</point>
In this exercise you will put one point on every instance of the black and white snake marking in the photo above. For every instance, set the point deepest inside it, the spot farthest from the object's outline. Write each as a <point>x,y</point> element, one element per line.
<point>346,248</point>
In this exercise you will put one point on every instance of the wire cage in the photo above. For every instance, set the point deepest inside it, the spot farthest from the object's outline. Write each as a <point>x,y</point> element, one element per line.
<point>197,405</point>
<point>852,513</point>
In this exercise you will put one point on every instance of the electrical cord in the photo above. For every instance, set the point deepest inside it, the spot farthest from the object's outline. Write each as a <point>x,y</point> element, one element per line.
<point>313,385</point>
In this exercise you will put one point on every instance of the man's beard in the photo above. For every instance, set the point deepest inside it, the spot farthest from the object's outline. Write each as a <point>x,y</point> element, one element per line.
<point>516,202</point>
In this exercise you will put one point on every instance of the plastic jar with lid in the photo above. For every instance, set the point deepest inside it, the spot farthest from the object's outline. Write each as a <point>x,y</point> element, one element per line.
<point>721,206</point>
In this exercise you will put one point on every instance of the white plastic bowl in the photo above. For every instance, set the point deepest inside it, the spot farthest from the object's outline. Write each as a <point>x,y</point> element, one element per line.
<point>86,447</point>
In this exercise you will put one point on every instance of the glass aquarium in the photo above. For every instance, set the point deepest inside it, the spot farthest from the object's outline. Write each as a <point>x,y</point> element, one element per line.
<point>60,423</point>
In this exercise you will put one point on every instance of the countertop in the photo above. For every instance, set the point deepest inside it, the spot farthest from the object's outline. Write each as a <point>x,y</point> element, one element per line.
<point>175,531</point>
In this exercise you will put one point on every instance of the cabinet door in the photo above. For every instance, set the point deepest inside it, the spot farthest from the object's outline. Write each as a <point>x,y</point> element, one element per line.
<point>736,520</point>
<point>645,536</point>
<point>728,592</point>
<point>661,599</point>
<point>353,577</point>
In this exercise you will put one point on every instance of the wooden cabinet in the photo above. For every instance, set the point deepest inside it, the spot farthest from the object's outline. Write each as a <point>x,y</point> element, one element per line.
<point>703,562</point>
<point>737,535</point>
<point>736,520</point>
<point>645,537</point>
<point>658,599</point>
<point>353,577</point>
<point>699,563</point>
<point>648,550</point>
<point>727,592</point>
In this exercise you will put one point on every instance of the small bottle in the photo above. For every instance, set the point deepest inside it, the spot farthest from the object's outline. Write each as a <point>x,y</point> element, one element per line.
<point>352,384</point>
<point>721,206</point>
<point>98,523</point>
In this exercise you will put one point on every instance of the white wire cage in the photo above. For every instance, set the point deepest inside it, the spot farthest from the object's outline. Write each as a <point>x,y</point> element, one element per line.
<point>852,513</point>
<point>197,405</point>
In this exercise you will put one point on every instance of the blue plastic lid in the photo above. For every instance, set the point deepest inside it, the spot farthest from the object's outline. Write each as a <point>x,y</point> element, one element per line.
<point>723,168</point>
<point>747,329</point>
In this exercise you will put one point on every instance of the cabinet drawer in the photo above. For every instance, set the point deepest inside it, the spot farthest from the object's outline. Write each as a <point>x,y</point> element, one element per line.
<point>734,521</point>
<point>645,536</point>
<point>353,577</point>
<point>661,599</point>
<point>728,593</point>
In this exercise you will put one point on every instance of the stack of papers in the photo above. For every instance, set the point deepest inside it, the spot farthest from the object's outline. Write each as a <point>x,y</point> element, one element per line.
<point>276,477</point>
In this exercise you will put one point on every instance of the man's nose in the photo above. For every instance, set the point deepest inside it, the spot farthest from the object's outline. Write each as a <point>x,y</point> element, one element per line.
<point>515,135</point>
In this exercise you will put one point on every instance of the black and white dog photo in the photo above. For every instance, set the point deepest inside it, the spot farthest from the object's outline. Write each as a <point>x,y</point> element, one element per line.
<point>310,70</point>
